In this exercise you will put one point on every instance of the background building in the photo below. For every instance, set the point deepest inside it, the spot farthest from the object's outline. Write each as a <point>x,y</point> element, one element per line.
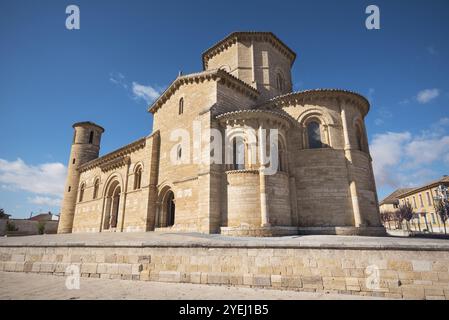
<point>422,200</point>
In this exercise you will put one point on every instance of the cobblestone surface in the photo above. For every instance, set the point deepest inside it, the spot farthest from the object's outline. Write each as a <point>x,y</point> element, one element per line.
<point>33,286</point>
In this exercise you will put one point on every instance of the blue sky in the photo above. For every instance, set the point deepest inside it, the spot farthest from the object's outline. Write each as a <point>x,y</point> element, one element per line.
<point>126,52</point>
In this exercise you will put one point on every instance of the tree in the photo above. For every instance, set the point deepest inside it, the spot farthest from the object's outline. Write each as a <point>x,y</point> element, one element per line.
<point>442,209</point>
<point>386,217</point>
<point>405,212</point>
<point>3,214</point>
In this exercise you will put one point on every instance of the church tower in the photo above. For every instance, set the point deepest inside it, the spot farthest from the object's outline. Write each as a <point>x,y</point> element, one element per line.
<point>85,147</point>
<point>258,58</point>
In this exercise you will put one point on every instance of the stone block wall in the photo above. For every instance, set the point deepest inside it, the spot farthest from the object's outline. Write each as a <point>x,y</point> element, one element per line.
<point>409,274</point>
<point>27,227</point>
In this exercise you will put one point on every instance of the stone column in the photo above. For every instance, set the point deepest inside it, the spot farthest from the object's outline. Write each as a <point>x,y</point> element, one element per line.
<point>103,205</point>
<point>293,202</point>
<point>352,184</point>
<point>262,179</point>
<point>355,204</point>
<point>125,190</point>
<point>263,198</point>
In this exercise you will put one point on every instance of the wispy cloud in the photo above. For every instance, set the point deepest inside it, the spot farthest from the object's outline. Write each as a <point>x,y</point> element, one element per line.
<point>403,159</point>
<point>147,93</point>
<point>427,95</point>
<point>422,97</point>
<point>370,95</point>
<point>432,51</point>
<point>138,92</point>
<point>383,114</point>
<point>44,179</point>
<point>404,102</point>
<point>118,79</point>
<point>45,201</point>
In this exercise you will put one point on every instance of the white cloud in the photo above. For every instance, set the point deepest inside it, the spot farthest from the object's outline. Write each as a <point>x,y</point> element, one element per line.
<point>43,179</point>
<point>401,159</point>
<point>147,93</point>
<point>386,150</point>
<point>46,201</point>
<point>427,95</point>
<point>425,151</point>
<point>139,91</point>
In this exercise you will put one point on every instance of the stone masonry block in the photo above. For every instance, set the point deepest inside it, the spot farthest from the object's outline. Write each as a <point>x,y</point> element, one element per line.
<point>421,265</point>
<point>262,280</point>
<point>169,276</point>
<point>89,268</point>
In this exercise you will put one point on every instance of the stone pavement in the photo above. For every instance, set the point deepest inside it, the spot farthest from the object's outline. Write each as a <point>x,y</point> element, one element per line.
<point>168,239</point>
<point>34,286</point>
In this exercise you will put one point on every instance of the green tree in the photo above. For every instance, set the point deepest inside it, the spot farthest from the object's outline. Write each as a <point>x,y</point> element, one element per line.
<point>3,214</point>
<point>442,209</point>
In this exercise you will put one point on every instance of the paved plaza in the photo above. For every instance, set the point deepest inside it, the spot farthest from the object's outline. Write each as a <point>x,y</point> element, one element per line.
<point>34,286</point>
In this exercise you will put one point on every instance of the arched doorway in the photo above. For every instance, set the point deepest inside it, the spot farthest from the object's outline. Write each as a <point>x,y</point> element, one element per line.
<point>166,208</point>
<point>170,208</point>
<point>112,206</point>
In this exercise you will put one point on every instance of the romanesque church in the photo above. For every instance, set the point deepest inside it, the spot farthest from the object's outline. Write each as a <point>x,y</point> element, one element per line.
<point>323,181</point>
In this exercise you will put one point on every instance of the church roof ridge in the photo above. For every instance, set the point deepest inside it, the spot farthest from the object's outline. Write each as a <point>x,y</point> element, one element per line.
<point>203,75</point>
<point>236,35</point>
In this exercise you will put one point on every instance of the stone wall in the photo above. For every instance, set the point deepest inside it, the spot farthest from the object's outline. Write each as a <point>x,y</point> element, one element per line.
<point>403,273</point>
<point>134,216</point>
<point>27,227</point>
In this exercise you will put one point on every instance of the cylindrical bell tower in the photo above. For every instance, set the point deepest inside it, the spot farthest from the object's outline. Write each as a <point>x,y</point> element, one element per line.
<point>85,147</point>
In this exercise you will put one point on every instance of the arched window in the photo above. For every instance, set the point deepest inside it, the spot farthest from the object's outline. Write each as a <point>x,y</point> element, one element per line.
<point>238,153</point>
<point>280,82</point>
<point>179,153</point>
<point>96,187</point>
<point>314,135</point>
<point>137,178</point>
<point>81,192</point>
<point>91,137</point>
<point>181,106</point>
<point>282,157</point>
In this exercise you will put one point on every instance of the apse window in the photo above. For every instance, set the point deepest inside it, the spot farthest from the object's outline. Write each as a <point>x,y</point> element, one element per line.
<point>181,106</point>
<point>314,135</point>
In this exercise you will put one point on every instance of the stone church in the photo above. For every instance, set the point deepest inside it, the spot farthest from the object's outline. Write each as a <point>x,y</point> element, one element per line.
<point>323,182</point>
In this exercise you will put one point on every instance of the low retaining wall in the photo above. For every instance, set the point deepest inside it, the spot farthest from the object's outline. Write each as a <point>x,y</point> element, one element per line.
<point>392,273</point>
<point>27,227</point>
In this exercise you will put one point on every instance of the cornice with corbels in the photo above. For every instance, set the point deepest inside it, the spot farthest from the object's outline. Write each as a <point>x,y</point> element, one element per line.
<point>311,96</point>
<point>115,163</point>
<point>235,37</point>
<point>244,171</point>
<point>110,158</point>
<point>271,119</point>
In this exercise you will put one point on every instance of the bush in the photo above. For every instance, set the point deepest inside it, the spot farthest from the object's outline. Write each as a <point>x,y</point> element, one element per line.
<point>10,226</point>
<point>41,227</point>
